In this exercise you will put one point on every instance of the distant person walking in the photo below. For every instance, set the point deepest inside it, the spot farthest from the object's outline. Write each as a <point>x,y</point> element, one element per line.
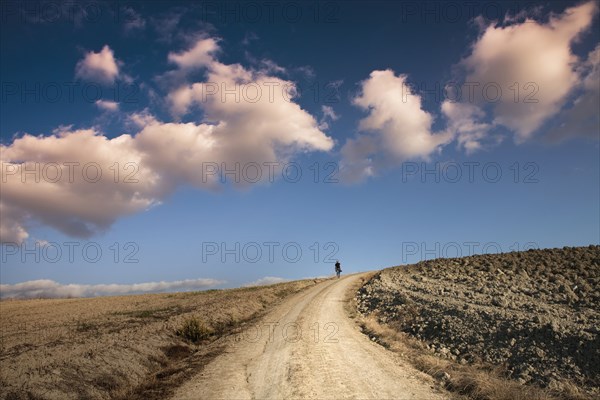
<point>338,268</point>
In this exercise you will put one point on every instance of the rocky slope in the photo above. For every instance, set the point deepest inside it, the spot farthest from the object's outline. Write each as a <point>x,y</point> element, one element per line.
<point>536,313</point>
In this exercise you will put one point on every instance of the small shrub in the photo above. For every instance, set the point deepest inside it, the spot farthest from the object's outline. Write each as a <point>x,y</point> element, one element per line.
<point>284,292</point>
<point>106,382</point>
<point>193,330</point>
<point>225,326</point>
<point>83,326</point>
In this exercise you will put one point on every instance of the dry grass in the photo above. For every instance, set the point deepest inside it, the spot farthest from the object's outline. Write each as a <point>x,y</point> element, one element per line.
<point>120,347</point>
<point>194,330</point>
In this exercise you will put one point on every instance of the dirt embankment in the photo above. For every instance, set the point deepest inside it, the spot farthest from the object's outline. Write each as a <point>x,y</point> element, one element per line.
<point>535,313</point>
<point>119,347</point>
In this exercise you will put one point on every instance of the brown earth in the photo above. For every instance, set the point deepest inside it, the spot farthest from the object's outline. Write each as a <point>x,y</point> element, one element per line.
<point>119,347</point>
<point>534,314</point>
<point>531,315</point>
<point>298,342</point>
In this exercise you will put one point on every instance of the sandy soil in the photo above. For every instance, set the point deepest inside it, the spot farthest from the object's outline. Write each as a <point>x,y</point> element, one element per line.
<point>308,348</point>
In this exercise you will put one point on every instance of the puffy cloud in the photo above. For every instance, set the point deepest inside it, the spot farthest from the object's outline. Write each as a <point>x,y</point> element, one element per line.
<point>537,56</point>
<point>107,105</point>
<point>465,121</point>
<point>328,115</point>
<point>141,119</point>
<point>270,66</point>
<point>328,112</point>
<point>85,180</point>
<point>249,109</point>
<point>180,100</point>
<point>199,55</point>
<point>267,280</point>
<point>99,67</point>
<point>68,181</point>
<point>45,288</point>
<point>189,147</point>
<point>11,225</point>
<point>398,129</point>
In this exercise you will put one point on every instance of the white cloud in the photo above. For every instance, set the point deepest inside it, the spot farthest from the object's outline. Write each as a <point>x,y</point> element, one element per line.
<point>199,55</point>
<point>251,109</point>
<point>142,118</point>
<point>328,112</point>
<point>465,121</point>
<point>45,288</point>
<point>154,161</point>
<point>12,228</point>
<point>189,147</point>
<point>397,127</point>
<point>107,105</point>
<point>64,189</point>
<point>535,55</point>
<point>328,115</point>
<point>98,67</point>
<point>180,100</point>
<point>270,66</point>
<point>267,280</point>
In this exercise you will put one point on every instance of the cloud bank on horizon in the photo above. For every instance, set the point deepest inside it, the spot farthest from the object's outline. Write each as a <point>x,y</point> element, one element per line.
<point>46,288</point>
<point>273,128</point>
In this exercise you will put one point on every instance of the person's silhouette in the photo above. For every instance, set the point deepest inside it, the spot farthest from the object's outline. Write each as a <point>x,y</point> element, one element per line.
<point>338,268</point>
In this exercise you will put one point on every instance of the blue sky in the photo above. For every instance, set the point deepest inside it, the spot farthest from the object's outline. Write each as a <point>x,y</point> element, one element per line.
<point>362,94</point>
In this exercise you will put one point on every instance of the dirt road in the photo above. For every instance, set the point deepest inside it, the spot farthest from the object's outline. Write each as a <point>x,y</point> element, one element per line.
<point>308,348</point>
